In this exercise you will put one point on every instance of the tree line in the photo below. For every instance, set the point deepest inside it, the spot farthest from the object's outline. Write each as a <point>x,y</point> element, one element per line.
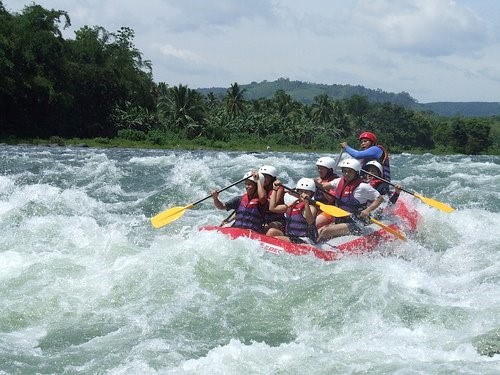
<point>98,85</point>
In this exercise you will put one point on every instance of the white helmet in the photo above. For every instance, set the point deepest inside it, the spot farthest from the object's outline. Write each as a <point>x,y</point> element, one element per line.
<point>268,169</point>
<point>326,162</point>
<point>376,164</point>
<point>249,176</point>
<point>351,163</point>
<point>306,184</point>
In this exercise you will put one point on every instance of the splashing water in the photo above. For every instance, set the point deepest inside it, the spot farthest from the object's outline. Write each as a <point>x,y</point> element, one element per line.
<point>88,286</point>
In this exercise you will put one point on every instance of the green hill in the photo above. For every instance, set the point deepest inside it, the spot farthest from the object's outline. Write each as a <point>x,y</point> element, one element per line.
<point>305,92</point>
<point>468,109</point>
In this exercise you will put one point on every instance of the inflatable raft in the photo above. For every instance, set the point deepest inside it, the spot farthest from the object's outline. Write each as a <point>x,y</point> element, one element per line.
<point>399,217</point>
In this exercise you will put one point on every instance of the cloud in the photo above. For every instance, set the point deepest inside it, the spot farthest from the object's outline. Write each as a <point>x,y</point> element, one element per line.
<point>214,16</point>
<point>425,27</point>
<point>170,51</point>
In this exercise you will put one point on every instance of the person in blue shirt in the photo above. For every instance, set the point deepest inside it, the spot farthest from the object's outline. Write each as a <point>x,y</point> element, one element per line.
<point>370,150</point>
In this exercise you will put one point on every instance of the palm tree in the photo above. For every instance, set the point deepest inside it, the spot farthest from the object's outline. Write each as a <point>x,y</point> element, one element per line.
<point>235,103</point>
<point>322,109</point>
<point>187,110</point>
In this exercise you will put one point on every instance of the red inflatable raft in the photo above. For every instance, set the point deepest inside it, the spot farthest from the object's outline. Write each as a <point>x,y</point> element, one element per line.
<point>400,217</point>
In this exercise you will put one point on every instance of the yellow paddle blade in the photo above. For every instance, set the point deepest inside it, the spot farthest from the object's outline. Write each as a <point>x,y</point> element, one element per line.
<point>396,232</point>
<point>167,216</point>
<point>434,203</point>
<point>332,210</point>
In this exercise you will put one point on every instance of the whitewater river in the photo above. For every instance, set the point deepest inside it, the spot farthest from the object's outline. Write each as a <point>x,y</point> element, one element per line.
<point>88,286</point>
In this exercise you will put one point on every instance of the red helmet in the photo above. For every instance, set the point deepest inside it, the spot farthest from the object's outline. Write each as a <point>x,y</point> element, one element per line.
<point>368,135</point>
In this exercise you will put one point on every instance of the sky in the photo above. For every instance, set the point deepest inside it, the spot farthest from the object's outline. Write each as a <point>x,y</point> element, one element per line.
<point>435,50</point>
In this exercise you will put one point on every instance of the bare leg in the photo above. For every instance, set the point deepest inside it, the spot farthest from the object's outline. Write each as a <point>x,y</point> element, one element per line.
<point>323,219</point>
<point>333,230</point>
<point>283,238</point>
<point>274,232</point>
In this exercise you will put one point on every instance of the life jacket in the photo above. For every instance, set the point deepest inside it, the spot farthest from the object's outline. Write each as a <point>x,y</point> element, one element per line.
<point>269,216</point>
<point>345,195</point>
<point>249,214</point>
<point>296,223</point>
<point>381,186</point>
<point>320,196</point>
<point>383,160</point>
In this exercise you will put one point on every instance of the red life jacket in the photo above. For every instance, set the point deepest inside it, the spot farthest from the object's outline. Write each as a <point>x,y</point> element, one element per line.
<point>345,194</point>
<point>322,197</point>
<point>381,186</point>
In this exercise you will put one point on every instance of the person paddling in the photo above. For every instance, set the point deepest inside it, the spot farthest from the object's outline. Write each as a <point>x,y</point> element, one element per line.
<point>300,226</point>
<point>272,219</point>
<point>326,173</point>
<point>375,170</point>
<point>250,207</point>
<point>370,150</point>
<point>352,195</point>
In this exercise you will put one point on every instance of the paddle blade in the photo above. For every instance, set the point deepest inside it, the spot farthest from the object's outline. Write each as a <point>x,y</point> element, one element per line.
<point>396,232</point>
<point>434,203</point>
<point>332,210</point>
<point>167,216</point>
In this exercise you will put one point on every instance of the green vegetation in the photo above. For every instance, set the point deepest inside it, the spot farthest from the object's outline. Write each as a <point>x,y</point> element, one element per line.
<point>97,90</point>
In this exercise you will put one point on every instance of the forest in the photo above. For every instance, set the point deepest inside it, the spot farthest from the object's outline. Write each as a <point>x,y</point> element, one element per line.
<point>97,87</point>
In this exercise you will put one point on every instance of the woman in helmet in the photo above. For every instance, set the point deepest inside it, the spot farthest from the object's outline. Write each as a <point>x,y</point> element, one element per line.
<point>375,170</point>
<point>353,195</point>
<point>272,219</point>
<point>370,150</point>
<point>300,226</point>
<point>326,171</point>
<point>249,208</point>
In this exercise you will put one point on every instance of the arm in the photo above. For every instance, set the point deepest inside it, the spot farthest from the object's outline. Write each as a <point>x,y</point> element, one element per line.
<point>366,212</point>
<point>261,191</point>
<point>217,203</point>
<point>365,193</point>
<point>273,201</point>
<point>280,194</point>
<point>394,197</point>
<point>372,152</point>
<point>332,185</point>
<point>309,210</point>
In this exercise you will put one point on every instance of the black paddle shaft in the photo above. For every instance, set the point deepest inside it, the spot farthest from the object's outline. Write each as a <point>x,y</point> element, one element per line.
<point>227,187</point>
<point>389,182</point>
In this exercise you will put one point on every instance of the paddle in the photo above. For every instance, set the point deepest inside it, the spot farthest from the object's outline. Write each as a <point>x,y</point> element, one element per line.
<point>172,214</point>
<point>396,232</point>
<point>329,209</point>
<point>228,219</point>
<point>431,202</point>
<point>338,159</point>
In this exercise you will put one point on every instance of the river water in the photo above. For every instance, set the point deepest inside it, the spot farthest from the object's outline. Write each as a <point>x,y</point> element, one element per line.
<point>87,285</point>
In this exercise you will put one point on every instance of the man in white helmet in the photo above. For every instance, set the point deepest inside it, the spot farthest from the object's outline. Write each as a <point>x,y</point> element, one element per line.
<point>353,195</point>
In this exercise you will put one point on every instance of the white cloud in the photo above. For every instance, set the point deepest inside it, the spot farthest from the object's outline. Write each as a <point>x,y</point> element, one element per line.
<point>170,51</point>
<point>426,27</point>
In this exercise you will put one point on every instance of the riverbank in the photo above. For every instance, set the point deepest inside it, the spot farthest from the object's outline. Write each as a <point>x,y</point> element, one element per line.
<point>199,145</point>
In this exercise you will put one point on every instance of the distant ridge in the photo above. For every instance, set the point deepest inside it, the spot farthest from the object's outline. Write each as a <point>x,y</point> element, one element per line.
<point>305,92</point>
<point>468,109</point>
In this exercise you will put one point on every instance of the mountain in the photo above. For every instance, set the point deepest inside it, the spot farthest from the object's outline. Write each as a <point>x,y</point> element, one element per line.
<point>467,109</point>
<point>305,92</point>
